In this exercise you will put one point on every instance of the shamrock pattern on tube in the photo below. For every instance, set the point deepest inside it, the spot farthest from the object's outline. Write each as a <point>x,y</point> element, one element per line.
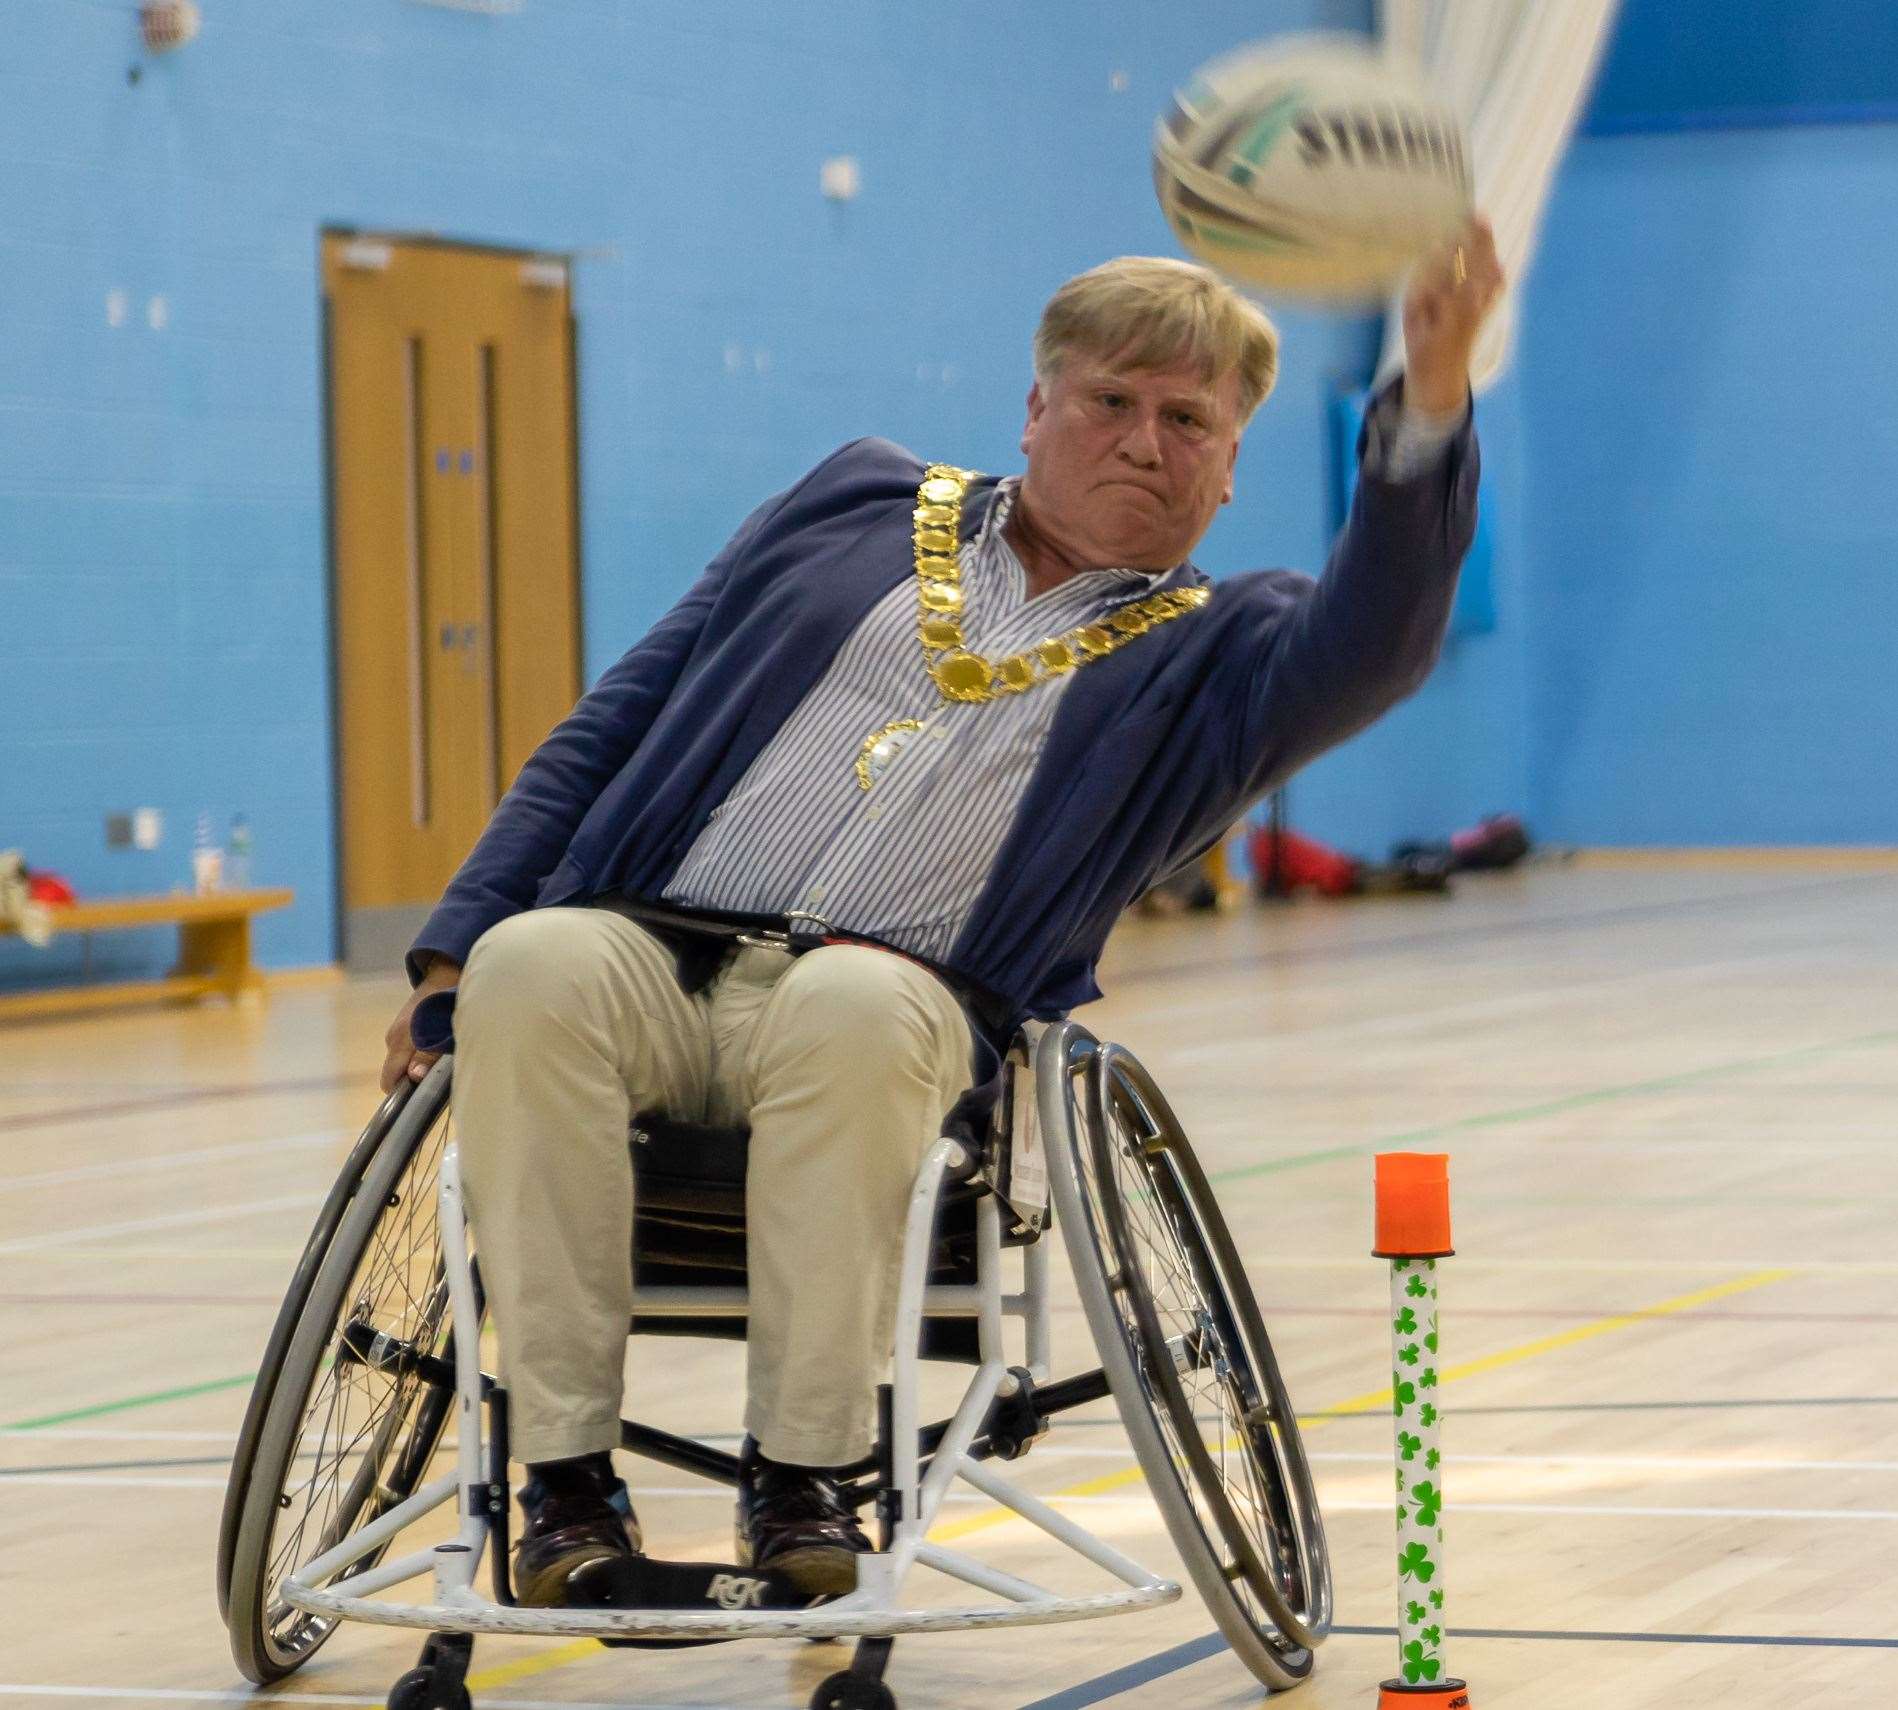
<point>1415,1379</point>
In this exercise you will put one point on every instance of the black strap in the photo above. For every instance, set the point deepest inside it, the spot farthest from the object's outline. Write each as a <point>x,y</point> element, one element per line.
<point>704,937</point>
<point>700,943</point>
<point>641,1583</point>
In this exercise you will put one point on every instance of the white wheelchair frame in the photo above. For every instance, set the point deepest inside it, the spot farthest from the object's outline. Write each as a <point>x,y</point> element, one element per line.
<point>918,1465</point>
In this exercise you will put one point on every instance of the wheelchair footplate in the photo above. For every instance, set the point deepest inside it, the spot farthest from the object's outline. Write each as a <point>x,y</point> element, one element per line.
<point>646,1583</point>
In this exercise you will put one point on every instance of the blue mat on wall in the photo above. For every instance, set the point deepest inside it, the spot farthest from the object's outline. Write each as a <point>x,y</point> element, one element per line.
<point>1675,65</point>
<point>1475,610</point>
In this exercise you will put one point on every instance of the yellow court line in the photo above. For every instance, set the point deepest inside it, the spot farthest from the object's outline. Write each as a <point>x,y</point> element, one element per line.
<point>502,1674</point>
<point>1581,1333</point>
<point>522,1667</point>
<point>1382,1398</point>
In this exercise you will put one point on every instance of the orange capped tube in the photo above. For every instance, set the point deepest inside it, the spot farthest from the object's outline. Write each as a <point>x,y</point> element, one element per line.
<point>1413,1233</point>
<point>1413,1206</point>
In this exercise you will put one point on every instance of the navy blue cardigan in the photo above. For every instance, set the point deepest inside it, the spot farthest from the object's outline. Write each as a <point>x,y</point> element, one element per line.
<point>1153,753</point>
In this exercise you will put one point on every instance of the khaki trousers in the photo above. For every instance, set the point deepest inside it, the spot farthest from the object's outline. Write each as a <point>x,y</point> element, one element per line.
<point>844,1061</point>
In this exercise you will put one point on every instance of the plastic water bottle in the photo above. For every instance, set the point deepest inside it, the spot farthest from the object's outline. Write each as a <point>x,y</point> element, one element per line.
<point>207,859</point>
<point>237,859</point>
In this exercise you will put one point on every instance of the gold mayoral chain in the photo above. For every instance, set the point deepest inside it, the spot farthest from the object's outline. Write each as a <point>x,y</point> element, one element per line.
<point>958,673</point>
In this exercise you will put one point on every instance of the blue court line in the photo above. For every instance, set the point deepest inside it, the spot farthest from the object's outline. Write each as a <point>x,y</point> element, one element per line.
<point>1117,1681</point>
<point>1798,1639</point>
<point>1461,1412</point>
<point>1134,1674</point>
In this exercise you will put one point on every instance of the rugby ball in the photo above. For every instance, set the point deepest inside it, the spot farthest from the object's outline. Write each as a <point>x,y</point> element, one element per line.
<point>1311,166</point>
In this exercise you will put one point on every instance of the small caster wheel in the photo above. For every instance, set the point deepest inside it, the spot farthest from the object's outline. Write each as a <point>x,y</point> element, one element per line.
<point>419,1689</point>
<point>847,1691</point>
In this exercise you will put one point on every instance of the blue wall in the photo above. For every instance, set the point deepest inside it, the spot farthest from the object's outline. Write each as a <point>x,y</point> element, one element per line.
<point>1708,379</point>
<point>1677,64</point>
<point>1693,543</point>
<point>162,561</point>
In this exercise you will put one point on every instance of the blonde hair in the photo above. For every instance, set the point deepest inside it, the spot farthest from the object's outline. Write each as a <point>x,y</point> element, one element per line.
<point>1149,311</point>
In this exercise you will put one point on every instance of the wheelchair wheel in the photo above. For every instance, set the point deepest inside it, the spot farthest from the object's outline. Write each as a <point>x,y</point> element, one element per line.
<point>288,1317</point>
<point>1186,1353</point>
<point>344,1428</point>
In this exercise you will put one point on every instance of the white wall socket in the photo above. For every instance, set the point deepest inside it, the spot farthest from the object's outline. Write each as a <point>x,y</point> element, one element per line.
<point>148,826</point>
<point>840,178</point>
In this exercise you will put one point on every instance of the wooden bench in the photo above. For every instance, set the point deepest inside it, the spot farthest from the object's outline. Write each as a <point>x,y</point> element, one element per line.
<point>214,954</point>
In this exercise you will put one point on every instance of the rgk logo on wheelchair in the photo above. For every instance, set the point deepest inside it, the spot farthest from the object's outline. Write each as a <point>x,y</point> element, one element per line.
<point>377,1348</point>
<point>735,1591</point>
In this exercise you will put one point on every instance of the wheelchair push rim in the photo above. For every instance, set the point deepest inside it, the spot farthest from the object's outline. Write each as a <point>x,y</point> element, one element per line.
<point>348,1428</point>
<point>289,1315</point>
<point>1186,1352</point>
<point>1270,1515</point>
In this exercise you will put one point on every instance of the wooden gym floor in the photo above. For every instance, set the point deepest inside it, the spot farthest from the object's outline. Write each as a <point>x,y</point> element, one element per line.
<point>1670,1093</point>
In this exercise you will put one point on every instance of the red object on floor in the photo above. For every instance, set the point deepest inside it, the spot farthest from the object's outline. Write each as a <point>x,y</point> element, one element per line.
<point>49,888</point>
<point>1289,862</point>
<point>1492,844</point>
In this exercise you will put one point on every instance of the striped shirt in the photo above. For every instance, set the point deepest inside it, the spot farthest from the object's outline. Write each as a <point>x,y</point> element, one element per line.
<point>905,860</point>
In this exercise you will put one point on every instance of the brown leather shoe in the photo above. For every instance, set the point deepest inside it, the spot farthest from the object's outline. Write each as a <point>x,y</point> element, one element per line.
<point>792,1520</point>
<point>571,1550</point>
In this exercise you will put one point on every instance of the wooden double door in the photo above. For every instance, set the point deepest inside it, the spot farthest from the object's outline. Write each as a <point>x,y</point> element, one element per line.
<point>453,500</point>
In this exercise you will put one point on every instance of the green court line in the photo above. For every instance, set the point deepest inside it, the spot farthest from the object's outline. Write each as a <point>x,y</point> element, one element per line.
<point>130,1401</point>
<point>1549,1107</point>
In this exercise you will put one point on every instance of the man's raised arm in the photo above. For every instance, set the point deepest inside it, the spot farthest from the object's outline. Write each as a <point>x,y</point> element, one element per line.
<point>1367,633</point>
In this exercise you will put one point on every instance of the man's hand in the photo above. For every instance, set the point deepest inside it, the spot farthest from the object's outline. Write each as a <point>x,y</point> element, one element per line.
<point>1453,288</point>
<point>403,1058</point>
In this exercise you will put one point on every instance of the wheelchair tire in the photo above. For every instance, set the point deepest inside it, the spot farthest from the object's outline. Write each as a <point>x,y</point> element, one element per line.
<point>1179,1333</point>
<point>302,1280</point>
<point>365,1435</point>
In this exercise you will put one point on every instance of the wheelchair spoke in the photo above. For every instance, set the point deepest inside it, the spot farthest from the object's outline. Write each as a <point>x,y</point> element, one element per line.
<point>361,1413</point>
<point>1203,1378</point>
<point>1214,1387</point>
<point>1160,1245</point>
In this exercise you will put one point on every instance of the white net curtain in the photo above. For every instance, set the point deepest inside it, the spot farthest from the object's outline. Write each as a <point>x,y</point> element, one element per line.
<point>1518,71</point>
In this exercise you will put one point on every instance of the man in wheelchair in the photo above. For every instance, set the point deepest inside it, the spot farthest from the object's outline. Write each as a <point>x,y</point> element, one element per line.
<point>871,793</point>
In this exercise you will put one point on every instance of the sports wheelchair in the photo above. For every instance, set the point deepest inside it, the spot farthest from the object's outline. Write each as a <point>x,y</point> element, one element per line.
<point>377,1350</point>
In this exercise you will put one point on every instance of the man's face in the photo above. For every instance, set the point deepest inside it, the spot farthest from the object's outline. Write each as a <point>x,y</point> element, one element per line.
<point>1127,466</point>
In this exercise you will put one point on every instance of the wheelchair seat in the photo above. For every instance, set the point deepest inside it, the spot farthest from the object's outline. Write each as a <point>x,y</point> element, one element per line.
<point>689,1168</point>
<point>689,1229</point>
